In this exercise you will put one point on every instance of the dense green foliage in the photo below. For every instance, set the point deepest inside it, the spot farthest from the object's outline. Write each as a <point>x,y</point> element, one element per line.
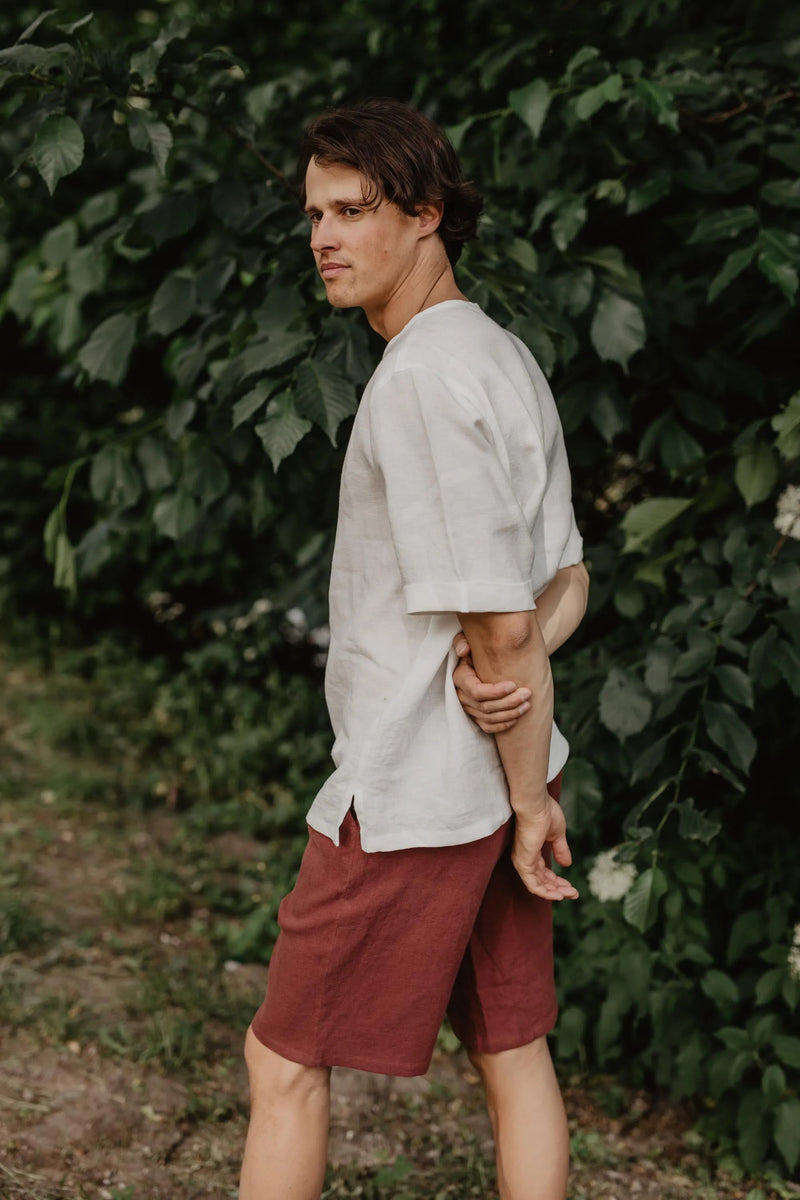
<point>178,381</point>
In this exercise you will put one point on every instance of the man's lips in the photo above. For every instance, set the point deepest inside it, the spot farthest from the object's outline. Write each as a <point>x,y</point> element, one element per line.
<point>332,269</point>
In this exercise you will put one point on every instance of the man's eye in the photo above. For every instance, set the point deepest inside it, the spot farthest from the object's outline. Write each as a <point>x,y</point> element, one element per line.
<point>351,211</point>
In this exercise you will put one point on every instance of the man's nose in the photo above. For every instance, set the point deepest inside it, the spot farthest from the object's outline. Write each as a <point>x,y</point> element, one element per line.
<point>323,235</point>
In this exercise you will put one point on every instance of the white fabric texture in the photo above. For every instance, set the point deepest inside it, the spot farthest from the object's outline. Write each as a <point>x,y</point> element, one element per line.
<point>455,497</point>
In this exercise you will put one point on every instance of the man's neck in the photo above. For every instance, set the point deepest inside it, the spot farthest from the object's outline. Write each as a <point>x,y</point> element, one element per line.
<point>419,292</point>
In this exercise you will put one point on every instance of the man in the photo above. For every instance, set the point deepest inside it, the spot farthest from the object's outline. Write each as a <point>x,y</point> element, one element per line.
<point>454,514</point>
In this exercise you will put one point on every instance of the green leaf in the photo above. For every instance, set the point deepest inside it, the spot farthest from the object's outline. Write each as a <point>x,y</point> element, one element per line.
<point>679,451</point>
<point>782,274</point>
<point>21,296</point>
<point>250,403</point>
<point>787,1049</point>
<point>643,521</point>
<point>736,262</point>
<point>213,278</point>
<point>531,103</point>
<point>588,102</point>
<point>773,1084</point>
<point>747,931</point>
<point>768,986</point>
<point>724,223</point>
<point>788,663</point>
<point>324,396</point>
<point>151,136</point>
<point>720,988</point>
<point>58,243</point>
<point>580,58</point>
<point>175,515</point>
<point>781,244</point>
<point>94,550</point>
<point>784,578</point>
<point>64,564</point>
<point>57,149</point>
<point>569,221</point>
<point>695,825</point>
<point>99,209</point>
<point>154,460</point>
<point>522,252</point>
<point>783,193</point>
<point>282,429</point>
<point>262,356</point>
<point>787,1131</point>
<point>659,101</point>
<point>203,473</point>
<point>640,906</point>
<point>618,329</point>
<point>756,473</point>
<point>730,733</point>
<point>74,26</point>
<point>736,685</point>
<point>786,424</point>
<point>171,217</point>
<point>113,478</point>
<point>87,270</point>
<point>105,356</point>
<point>30,30</point>
<point>625,707</point>
<point>173,303</point>
<point>644,195</point>
<point>179,414</point>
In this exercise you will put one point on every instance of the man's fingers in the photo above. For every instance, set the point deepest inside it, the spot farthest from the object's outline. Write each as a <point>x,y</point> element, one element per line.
<point>494,695</point>
<point>551,887</point>
<point>504,709</point>
<point>561,851</point>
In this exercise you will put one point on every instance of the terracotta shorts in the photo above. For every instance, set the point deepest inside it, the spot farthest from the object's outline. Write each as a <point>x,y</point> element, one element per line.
<point>374,949</point>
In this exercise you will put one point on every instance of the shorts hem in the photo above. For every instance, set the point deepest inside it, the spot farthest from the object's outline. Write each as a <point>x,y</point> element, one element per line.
<point>487,1045</point>
<point>352,1062</point>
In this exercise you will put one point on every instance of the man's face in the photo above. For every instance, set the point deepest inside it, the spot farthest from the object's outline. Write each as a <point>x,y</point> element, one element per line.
<point>364,252</point>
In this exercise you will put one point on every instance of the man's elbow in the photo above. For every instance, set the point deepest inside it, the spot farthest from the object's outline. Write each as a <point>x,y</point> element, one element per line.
<point>498,635</point>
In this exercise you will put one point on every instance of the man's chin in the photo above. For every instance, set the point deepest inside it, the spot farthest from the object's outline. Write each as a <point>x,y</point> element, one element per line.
<point>341,301</point>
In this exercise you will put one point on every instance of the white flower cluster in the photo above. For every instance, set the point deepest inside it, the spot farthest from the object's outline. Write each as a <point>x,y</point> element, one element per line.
<point>609,879</point>
<point>260,608</point>
<point>794,954</point>
<point>787,518</point>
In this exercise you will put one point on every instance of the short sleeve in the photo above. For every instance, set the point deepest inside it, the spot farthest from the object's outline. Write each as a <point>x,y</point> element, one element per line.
<point>460,534</point>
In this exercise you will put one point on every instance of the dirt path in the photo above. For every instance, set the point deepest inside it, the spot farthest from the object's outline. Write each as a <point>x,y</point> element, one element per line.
<point>121,1026</point>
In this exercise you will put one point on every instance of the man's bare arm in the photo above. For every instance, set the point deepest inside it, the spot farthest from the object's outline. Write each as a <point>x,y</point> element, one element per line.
<point>510,645</point>
<point>560,608</point>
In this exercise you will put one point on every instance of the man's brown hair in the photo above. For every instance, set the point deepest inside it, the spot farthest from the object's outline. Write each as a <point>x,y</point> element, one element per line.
<point>406,158</point>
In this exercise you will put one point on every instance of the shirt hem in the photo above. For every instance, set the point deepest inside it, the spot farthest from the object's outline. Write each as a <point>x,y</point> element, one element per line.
<point>372,842</point>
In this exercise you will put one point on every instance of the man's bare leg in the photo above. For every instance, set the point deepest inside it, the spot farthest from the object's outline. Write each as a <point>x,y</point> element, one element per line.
<point>287,1142</point>
<point>528,1120</point>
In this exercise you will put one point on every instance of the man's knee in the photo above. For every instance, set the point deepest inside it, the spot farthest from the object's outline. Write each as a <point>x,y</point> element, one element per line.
<point>274,1079</point>
<point>505,1064</point>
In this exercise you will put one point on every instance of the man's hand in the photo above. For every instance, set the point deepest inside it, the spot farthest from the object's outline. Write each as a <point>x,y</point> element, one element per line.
<point>492,706</point>
<point>532,834</point>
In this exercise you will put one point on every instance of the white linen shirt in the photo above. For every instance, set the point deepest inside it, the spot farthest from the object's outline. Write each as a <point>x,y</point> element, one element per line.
<point>455,497</point>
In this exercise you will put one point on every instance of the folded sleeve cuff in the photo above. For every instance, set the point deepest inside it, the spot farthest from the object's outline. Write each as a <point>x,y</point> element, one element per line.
<point>460,596</point>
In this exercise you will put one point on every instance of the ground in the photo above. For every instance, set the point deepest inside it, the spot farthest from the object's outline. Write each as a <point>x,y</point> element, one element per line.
<point>121,1025</point>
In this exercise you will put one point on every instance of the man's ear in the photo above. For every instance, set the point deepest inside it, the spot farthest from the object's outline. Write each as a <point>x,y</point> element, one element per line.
<point>429,217</point>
